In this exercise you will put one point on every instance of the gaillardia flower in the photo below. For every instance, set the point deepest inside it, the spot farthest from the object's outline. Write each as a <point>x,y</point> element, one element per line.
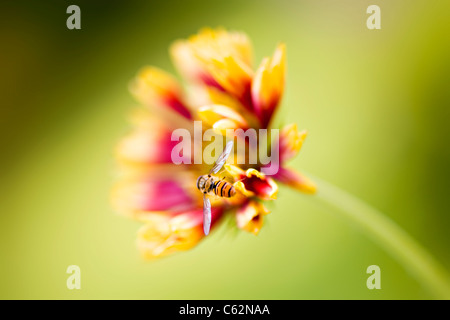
<point>224,91</point>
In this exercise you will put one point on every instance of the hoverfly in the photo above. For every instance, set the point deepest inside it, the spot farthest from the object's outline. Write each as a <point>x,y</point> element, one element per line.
<point>208,184</point>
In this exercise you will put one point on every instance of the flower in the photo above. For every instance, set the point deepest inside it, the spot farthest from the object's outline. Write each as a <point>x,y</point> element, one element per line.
<point>224,92</point>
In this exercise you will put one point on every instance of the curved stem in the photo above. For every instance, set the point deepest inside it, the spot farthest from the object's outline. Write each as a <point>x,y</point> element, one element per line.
<point>402,247</point>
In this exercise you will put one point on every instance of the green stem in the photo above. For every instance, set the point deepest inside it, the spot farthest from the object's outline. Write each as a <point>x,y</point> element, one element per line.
<point>402,247</point>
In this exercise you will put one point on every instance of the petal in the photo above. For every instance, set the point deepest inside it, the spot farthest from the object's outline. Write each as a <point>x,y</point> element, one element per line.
<point>165,234</point>
<point>162,237</point>
<point>219,59</point>
<point>225,127</point>
<point>184,59</point>
<point>190,66</point>
<point>193,55</point>
<point>291,141</point>
<point>233,76</point>
<point>146,147</point>
<point>243,190</point>
<point>213,113</point>
<point>222,118</point>
<point>146,119</point>
<point>155,87</point>
<point>155,193</point>
<point>253,183</point>
<point>220,97</point>
<point>236,172</point>
<point>268,85</point>
<point>295,180</point>
<point>262,186</point>
<point>250,217</point>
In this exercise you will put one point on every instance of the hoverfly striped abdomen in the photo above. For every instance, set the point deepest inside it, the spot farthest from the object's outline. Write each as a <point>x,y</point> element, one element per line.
<point>224,189</point>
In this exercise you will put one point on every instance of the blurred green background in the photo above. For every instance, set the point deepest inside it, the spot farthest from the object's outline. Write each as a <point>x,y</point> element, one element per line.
<point>376,104</point>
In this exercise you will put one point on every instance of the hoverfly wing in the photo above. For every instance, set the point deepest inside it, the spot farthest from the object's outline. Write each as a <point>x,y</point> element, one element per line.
<point>206,214</point>
<point>222,158</point>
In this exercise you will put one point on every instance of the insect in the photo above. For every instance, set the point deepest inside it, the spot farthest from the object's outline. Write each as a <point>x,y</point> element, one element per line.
<point>208,184</point>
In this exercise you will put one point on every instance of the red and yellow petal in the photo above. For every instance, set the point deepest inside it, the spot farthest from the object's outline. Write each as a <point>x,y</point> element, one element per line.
<point>253,183</point>
<point>155,194</point>
<point>143,147</point>
<point>194,55</point>
<point>236,172</point>
<point>268,85</point>
<point>221,118</point>
<point>233,76</point>
<point>295,180</point>
<point>250,216</point>
<point>263,187</point>
<point>160,237</point>
<point>156,88</point>
<point>290,141</point>
<point>166,234</point>
<point>218,59</point>
<point>220,97</point>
